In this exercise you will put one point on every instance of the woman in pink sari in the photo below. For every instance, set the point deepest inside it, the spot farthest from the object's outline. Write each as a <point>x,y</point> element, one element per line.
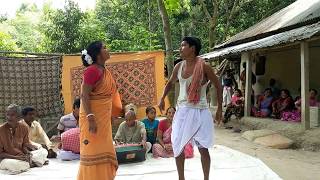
<point>164,146</point>
<point>295,115</point>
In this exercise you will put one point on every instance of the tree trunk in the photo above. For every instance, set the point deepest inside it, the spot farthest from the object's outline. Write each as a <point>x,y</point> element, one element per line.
<point>168,42</point>
<point>212,31</point>
<point>212,20</point>
<point>183,30</point>
<point>212,35</point>
<point>226,31</point>
<point>150,30</point>
<point>190,33</point>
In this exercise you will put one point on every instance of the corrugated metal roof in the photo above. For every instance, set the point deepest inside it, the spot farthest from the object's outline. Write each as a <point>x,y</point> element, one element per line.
<point>301,33</point>
<point>298,12</point>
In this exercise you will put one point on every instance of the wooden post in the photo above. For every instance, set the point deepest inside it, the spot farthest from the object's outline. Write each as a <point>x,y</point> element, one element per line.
<point>305,110</point>
<point>245,57</point>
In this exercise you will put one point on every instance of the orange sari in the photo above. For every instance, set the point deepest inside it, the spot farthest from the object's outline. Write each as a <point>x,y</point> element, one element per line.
<point>97,154</point>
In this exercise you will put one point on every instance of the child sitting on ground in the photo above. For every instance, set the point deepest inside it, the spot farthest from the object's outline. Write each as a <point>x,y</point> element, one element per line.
<point>151,124</point>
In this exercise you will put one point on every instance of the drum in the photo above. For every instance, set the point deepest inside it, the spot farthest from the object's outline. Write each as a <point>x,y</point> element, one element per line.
<point>130,153</point>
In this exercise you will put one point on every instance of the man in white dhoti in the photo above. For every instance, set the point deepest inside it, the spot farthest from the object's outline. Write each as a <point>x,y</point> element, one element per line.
<point>193,120</point>
<point>17,154</point>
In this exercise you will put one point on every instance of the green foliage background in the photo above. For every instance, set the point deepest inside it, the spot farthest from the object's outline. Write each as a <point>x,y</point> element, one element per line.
<point>125,25</point>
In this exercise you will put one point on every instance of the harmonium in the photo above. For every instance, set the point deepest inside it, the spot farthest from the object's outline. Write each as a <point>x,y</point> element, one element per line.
<point>130,153</point>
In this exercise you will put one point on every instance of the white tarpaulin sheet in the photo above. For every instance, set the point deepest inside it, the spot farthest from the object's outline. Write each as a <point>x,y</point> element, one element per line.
<point>227,164</point>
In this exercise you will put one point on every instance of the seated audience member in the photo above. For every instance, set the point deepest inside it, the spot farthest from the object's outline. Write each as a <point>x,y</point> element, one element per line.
<point>283,104</point>
<point>17,154</point>
<point>313,101</point>
<point>132,131</point>
<point>151,124</point>
<point>70,121</point>
<point>37,135</point>
<point>235,107</point>
<point>131,107</point>
<point>274,89</point>
<point>299,96</point>
<point>295,115</point>
<point>263,106</point>
<point>164,146</point>
<point>70,145</point>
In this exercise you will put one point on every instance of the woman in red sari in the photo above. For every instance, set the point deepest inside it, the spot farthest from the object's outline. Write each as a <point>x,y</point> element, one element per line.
<point>164,146</point>
<point>97,154</point>
<point>283,104</point>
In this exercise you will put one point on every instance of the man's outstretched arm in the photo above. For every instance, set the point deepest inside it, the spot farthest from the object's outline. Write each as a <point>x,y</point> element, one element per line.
<point>169,85</point>
<point>215,81</point>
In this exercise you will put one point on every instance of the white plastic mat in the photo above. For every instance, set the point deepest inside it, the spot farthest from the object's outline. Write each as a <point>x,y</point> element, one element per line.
<point>227,164</point>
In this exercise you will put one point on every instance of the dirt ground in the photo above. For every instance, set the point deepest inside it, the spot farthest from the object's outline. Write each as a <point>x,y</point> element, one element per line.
<point>289,164</point>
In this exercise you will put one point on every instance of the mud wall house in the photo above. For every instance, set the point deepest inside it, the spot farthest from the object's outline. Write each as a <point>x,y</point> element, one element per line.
<point>284,46</point>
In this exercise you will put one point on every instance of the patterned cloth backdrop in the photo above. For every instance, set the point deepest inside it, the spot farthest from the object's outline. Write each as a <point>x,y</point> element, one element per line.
<point>135,80</point>
<point>32,81</point>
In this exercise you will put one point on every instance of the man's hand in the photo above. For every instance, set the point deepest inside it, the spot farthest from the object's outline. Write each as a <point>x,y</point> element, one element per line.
<point>22,158</point>
<point>60,146</point>
<point>25,157</point>
<point>55,138</point>
<point>33,148</point>
<point>144,144</point>
<point>218,117</point>
<point>161,105</point>
<point>117,142</point>
<point>29,147</point>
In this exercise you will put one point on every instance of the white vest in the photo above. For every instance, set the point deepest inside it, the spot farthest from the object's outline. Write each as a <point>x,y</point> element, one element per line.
<point>183,94</point>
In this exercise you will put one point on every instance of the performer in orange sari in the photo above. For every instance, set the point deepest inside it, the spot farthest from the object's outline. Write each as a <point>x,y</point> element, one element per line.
<point>97,154</point>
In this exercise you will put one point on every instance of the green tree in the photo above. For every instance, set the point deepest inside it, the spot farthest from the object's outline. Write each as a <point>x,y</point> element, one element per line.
<point>7,43</point>
<point>91,29</point>
<point>168,41</point>
<point>62,28</point>
<point>3,17</point>
<point>130,25</point>
<point>214,21</point>
<point>23,28</point>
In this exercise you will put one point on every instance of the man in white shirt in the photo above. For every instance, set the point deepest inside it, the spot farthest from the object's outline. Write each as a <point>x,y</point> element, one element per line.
<point>70,121</point>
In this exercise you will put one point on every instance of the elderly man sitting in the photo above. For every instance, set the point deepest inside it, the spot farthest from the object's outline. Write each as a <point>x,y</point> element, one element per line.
<point>17,154</point>
<point>132,131</point>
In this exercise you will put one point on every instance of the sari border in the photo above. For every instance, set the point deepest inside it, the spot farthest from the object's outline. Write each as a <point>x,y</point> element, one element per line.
<point>88,160</point>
